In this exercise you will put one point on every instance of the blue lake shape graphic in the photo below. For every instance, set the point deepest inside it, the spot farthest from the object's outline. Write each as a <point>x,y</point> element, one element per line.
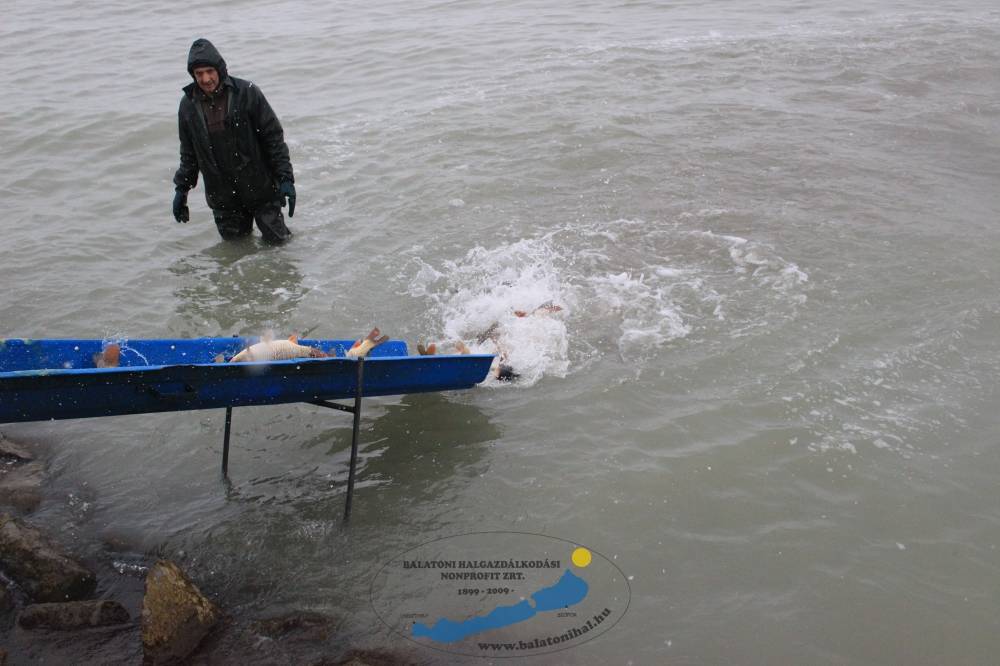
<point>569,590</point>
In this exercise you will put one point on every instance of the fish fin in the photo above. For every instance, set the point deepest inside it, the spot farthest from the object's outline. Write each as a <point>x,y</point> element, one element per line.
<point>432,349</point>
<point>362,347</point>
<point>462,349</point>
<point>421,349</point>
<point>547,307</point>
<point>293,338</point>
<point>112,354</point>
<point>109,357</point>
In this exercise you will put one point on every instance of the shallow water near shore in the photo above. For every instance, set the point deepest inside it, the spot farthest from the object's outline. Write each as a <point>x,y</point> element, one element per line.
<point>770,397</point>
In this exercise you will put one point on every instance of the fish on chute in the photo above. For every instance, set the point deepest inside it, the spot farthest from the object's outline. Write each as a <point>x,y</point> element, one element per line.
<point>109,357</point>
<point>361,347</point>
<point>495,335</point>
<point>432,349</point>
<point>277,350</point>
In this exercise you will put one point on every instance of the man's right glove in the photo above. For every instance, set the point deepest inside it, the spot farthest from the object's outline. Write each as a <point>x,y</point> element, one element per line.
<point>181,212</point>
<point>287,189</point>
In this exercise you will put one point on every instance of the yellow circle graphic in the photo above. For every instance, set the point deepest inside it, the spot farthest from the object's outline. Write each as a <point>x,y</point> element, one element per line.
<point>581,557</point>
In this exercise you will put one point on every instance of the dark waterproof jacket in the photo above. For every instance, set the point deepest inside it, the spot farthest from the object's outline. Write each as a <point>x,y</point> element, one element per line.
<point>255,141</point>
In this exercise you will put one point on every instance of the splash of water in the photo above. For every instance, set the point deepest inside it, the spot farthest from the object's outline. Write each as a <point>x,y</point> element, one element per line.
<point>631,285</point>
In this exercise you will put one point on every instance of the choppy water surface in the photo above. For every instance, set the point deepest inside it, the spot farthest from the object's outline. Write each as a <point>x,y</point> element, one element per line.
<point>770,397</point>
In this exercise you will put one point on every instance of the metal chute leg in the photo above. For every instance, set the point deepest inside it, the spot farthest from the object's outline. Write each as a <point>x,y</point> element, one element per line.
<point>355,435</point>
<point>225,442</point>
<point>354,439</point>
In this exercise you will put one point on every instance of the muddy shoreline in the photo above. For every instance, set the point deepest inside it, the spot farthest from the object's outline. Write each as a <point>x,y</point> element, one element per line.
<point>71,592</point>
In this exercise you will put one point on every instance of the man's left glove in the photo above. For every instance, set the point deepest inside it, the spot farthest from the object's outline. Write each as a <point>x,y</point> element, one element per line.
<point>287,190</point>
<point>181,212</point>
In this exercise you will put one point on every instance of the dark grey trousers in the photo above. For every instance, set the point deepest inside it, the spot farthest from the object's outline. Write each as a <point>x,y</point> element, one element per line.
<point>237,223</point>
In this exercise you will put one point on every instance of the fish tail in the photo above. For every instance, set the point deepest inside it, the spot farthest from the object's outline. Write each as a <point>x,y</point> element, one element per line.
<point>370,341</point>
<point>109,357</point>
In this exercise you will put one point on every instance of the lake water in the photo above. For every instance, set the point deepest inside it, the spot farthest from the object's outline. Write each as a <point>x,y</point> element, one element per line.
<point>770,398</point>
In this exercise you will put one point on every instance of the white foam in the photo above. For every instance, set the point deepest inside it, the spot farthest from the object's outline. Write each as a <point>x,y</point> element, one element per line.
<point>643,285</point>
<point>485,288</point>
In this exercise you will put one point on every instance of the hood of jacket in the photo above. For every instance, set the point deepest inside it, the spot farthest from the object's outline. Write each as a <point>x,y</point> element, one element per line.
<point>203,53</point>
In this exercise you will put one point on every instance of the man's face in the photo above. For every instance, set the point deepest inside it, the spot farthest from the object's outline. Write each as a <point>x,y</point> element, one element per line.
<point>207,78</point>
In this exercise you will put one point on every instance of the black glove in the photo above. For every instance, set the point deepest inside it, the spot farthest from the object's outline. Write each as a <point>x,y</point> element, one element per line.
<point>287,189</point>
<point>181,212</point>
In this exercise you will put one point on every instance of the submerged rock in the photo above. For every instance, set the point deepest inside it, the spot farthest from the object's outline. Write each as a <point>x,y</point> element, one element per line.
<point>39,567</point>
<point>299,625</point>
<point>21,485</point>
<point>368,658</point>
<point>73,615</point>
<point>176,616</point>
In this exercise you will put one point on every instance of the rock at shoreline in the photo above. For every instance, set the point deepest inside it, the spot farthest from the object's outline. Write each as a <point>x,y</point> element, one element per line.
<point>21,485</point>
<point>6,599</point>
<point>176,616</point>
<point>20,479</point>
<point>11,449</point>
<point>73,615</point>
<point>37,564</point>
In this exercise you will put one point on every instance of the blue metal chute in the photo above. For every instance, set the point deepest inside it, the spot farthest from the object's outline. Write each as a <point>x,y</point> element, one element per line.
<point>49,379</point>
<point>57,379</point>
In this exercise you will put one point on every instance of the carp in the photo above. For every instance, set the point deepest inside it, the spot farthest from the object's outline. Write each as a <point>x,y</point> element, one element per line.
<point>361,347</point>
<point>277,350</point>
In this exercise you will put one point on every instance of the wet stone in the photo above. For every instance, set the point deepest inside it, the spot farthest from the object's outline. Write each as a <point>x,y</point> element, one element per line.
<point>176,616</point>
<point>299,625</point>
<point>73,615</point>
<point>369,658</point>
<point>11,449</point>
<point>6,599</point>
<point>21,485</point>
<point>41,569</point>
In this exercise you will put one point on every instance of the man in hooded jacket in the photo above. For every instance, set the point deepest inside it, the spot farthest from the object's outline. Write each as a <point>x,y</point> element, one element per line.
<point>229,133</point>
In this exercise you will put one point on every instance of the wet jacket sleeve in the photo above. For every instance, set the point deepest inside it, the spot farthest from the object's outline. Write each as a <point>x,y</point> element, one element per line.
<point>187,173</point>
<point>271,136</point>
